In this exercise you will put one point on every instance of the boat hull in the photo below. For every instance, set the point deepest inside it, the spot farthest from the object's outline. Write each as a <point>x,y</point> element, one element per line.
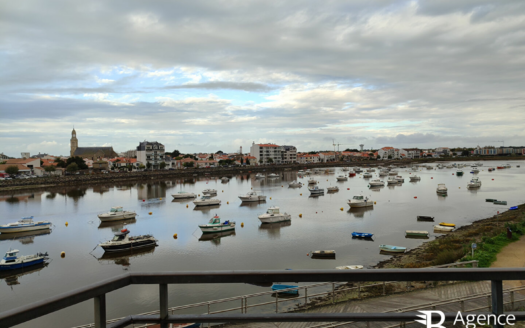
<point>275,218</point>
<point>34,227</point>
<point>183,196</point>
<point>214,229</point>
<point>198,203</point>
<point>361,204</point>
<point>107,218</point>
<point>21,264</point>
<point>129,246</point>
<point>279,289</point>
<point>253,199</point>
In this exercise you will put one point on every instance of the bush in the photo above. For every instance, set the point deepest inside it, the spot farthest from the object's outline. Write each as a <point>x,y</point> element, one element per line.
<point>12,170</point>
<point>448,256</point>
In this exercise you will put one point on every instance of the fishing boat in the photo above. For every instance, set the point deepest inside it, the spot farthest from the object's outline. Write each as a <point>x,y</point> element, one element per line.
<point>414,168</point>
<point>430,167</point>
<point>362,235</point>
<point>259,176</point>
<point>123,242</point>
<point>285,289</point>
<point>25,224</point>
<point>323,254</point>
<point>474,183</point>
<point>274,215</point>
<point>400,178</point>
<point>11,260</point>
<point>415,178</point>
<point>415,233</point>
<point>307,172</point>
<point>425,218</point>
<point>116,213</point>
<point>500,167</point>
<point>215,225</point>
<point>441,189</point>
<point>312,181</point>
<point>342,178</point>
<point>345,169</point>
<point>500,202</point>
<point>316,190</point>
<point>360,201</point>
<point>252,196</point>
<point>392,173</point>
<point>445,224</point>
<point>358,170</point>
<point>392,249</point>
<point>295,184</point>
<point>450,166</point>
<point>474,170</point>
<point>459,173</point>
<point>206,201</point>
<point>300,172</point>
<point>273,175</point>
<point>391,181</point>
<point>443,228</point>
<point>376,183</point>
<point>209,192</point>
<point>350,267</point>
<point>370,170</point>
<point>367,175</point>
<point>332,189</point>
<point>490,169</point>
<point>225,179</point>
<point>351,174</point>
<point>383,173</point>
<point>508,166</point>
<point>183,195</point>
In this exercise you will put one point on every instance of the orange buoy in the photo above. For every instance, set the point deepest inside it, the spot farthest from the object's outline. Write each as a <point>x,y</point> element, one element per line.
<point>149,213</point>
<point>186,205</point>
<point>175,236</point>
<point>415,197</point>
<point>63,254</point>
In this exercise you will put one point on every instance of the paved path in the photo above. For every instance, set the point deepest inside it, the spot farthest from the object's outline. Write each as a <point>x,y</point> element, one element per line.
<point>417,298</point>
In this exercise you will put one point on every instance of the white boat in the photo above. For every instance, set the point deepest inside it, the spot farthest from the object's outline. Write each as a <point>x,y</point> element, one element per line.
<point>441,189</point>
<point>209,192</point>
<point>312,181</point>
<point>415,178</point>
<point>316,190</point>
<point>414,168</point>
<point>11,260</point>
<point>342,178</point>
<point>349,267</point>
<point>183,195</point>
<point>252,196</point>
<point>376,183</point>
<point>450,166</point>
<point>430,167</point>
<point>295,184</point>
<point>225,179</point>
<point>206,201</point>
<point>400,178</point>
<point>117,213</point>
<point>273,175</point>
<point>479,164</point>
<point>393,172</point>
<point>475,169</point>
<point>307,172</point>
<point>360,201</point>
<point>345,169</point>
<point>25,224</point>
<point>122,242</point>
<point>273,215</point>
<point>508,166</point>
<point>215,225</point>
<point>259,176</point>
<point>383,173</point>
<point>443,228</point>
<point>391,181</point>
<point>367,175</point>
<point>358,170</point>
<point>301,172</point>
<point>474,183</point>
<point>370,170</point>
<point>332,189</point>
<point>440,166</point>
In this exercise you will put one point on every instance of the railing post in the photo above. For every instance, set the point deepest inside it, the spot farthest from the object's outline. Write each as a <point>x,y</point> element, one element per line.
<point>100,311</point>
<point>276,303</point>
<point>358,289</point>
<point>489,304</point>
<point>208,313</point>
<point>475,264</point>
<point>163,298</point>
<point>333,293</point>
<point>462,306</point>
<point>305,297</point>
<point>384,288</point>
<point>512,300</point>
<point>497,299</point>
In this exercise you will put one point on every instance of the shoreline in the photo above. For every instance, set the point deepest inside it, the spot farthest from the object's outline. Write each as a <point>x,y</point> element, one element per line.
<point>130,177</point>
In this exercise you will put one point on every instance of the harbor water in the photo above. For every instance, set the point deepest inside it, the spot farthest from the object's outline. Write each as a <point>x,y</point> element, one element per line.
<point>321,226</point>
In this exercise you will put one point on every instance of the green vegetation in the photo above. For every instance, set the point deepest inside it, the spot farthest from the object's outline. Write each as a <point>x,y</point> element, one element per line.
<point>188,164</point>
<point>72,167</point>
<point>12,170</point>
<point>81,165</point>
<point>49,168</point>
<point>162,165</point>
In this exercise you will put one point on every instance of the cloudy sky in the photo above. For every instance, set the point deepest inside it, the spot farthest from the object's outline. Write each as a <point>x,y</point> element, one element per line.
<point>200,76</point>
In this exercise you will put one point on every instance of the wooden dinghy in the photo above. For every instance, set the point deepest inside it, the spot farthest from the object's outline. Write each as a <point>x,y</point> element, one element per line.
<point>425,218</point>
<point>330,254</point>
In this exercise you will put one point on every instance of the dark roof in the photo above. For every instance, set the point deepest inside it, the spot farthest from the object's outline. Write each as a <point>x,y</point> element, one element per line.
<point>142,145</point>
<point>84,151</point>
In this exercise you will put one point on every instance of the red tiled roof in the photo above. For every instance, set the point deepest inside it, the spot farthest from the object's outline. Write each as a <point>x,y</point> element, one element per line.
<point>21,167</point>
<point>20,160</point>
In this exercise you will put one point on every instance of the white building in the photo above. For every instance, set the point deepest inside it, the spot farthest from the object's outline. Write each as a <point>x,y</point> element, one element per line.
<point>410,153</point>
<point>288,154</point>
<point>385,152</point>
<point>327,157</point>
<point>263,152</point>
<point>150,152</point>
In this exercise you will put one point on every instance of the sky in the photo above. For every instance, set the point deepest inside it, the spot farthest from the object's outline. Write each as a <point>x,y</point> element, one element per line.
<point>203,76</point>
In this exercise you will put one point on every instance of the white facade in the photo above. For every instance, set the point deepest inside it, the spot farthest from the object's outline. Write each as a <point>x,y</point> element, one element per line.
<point>150,152</point>
<point>410,153</point>
<point>388,151</point>
<point>288,154</point>
<point>263,152</point>
<point>327,157</point>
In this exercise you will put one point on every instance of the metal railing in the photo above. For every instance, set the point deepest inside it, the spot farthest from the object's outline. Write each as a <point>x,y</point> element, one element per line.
<point>333,291</point>
<point>98,292</point>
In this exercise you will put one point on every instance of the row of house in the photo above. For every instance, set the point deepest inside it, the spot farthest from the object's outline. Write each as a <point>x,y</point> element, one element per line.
<point>499,151</point>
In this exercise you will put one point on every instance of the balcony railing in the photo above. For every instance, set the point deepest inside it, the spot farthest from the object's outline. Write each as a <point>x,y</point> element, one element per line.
<point>98,292</point>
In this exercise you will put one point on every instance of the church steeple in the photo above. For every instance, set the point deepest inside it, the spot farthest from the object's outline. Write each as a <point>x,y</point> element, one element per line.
<point>74,142</point>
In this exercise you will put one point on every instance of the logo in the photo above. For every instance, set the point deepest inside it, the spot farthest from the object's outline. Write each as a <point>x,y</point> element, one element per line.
<point>427,319</point>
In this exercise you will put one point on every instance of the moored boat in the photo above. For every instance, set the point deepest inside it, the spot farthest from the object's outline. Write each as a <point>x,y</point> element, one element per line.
<point>209,192</point>
<point>443,228</point>
<point>274,215</point>
<point>446,224</point>
<point>225,179</point>
<point>500,202</point>
<point>117,213</point>
<point>123,242</point>
<point>259,176</point>
<point>316,190</point>
<point>441,189</point>
<point>273,175</point>
<point>323,254</point>
<point>342,178</point>
<point>367,175</point>
<point>400,178</point>
<point>362,234</point>
<point>312,181</point>
<point>11,260</point>
<point>392,249</point>
<point>183,195</point>
<point>459,173</point>
<point>295,184</point>
<point>215,225</point>
<point>425,218</point>
<point>376,183</point>
<point>415,178</point>
<point>415,233</point>
<point>332,189</point>
<point>285,289</point>
<point>25,224</point>
<point>252,196</point>
<point>360,201</point>
<point>350,267</point>
<point>392,181</point>
<point>206,201</point>
<point>474,183</point>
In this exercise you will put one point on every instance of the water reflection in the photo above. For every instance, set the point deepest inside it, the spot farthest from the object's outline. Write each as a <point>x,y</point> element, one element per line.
<point>24,237</point>
<point>22,197</point>
<point>252,204</point>
<point>123,258</point>
<point>116,226</point>
<point>215,238</point>
<point>152,190</point>
<point>274,229</point>
<point>376,188</point>
<point>11,277</point>
<point>101,189</point>
<point>359,212</point>
<point>206,209</point>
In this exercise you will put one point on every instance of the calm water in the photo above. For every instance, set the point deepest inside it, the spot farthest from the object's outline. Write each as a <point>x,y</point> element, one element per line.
<point>322,226</point>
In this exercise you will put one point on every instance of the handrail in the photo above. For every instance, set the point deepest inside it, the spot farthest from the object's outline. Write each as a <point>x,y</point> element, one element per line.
<point>97,291</point>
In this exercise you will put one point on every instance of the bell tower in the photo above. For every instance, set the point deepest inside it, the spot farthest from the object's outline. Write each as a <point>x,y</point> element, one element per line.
<point>74,142</point>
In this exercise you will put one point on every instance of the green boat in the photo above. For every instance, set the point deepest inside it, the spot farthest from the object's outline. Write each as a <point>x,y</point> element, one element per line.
<point>500,202</point>
<point>459,173</point>
<point>414,233</point>
<point>490,200</point>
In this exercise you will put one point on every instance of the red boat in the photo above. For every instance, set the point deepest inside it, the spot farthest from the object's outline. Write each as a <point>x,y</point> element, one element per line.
<point>351,174</point>
<point>501,167</point>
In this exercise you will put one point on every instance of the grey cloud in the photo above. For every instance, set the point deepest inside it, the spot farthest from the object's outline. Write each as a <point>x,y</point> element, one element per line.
<point>215,85</point>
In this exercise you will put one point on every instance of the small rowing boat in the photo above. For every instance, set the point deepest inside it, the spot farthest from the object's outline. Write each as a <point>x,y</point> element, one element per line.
<point>285,289</point>
<point>392,249</point>
<point>323,254</point>
<point>415,233</point>
<point>362,235</point>
<point>425,218</point>
<point>445,224</point>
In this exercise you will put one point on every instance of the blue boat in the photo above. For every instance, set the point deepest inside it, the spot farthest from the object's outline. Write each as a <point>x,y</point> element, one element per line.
<point>362,234</point>
<point>11,260</point>
<point>277,288</point>
<point>513,208</point>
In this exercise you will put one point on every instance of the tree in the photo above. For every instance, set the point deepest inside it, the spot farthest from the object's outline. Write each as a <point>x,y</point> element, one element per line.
<point>270,160</point>
<point>130,167</point>
<point>260,161</point>
<point>178,158</point>
<point>378,157</point>
<point>162,165</point>
<point>49,168</point>
<point>72,167</point>
<point>242,160</point>
<point>189,156</point>
<point>219,152</point>
<point>12,170</point>
<point>148,165</point>
<point>142,167</point>
<point>465,153</point>
<point>79,161</point>
<point>41,162</point>
<point>61,163</point>
<point>175,153</point>
<point>3,162</point>
<point>247,161</point>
